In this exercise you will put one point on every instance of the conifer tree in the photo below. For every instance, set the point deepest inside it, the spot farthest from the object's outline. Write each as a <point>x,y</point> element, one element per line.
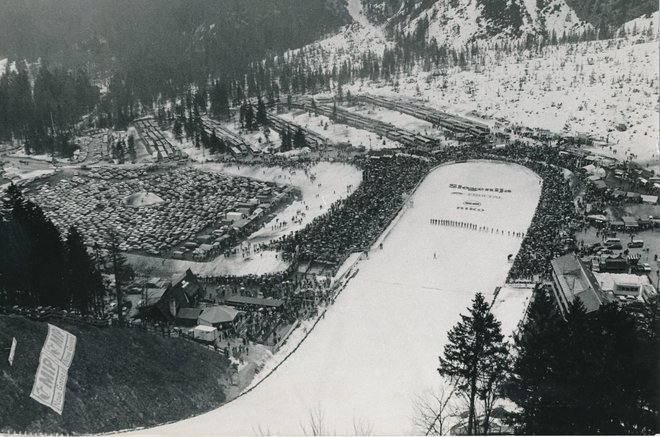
<point>249,117</point>
<point>84,281</point>
<point>262,117</point>
<point>299,140</point>
<point>475,345</point>
<point>587,374</point>
<point>177,130</point>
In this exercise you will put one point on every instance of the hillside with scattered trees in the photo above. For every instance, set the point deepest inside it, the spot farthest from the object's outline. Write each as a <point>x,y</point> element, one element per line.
<point>611,12</point>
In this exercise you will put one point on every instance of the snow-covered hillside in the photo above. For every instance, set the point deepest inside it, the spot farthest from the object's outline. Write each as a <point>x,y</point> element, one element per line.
<point>460,22</point>
<point>607,88</point>
<point>3,66</point>
<point>348,44</point>
<point>457,23</point>
<point>591,87</point>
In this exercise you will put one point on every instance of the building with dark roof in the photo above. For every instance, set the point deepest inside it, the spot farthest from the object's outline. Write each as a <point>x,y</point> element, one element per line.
<point>186,291</point>
<point>572,279</point>
<point>187,316</point>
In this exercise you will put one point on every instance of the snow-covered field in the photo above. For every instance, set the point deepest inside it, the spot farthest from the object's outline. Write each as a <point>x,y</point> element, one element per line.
<point>376,349</point>
<point>338,132</point>
<point>399,119</point>
<point>330,184</point>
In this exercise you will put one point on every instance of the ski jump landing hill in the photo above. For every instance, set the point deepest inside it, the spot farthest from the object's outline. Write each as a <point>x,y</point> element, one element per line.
<point>377,348</point>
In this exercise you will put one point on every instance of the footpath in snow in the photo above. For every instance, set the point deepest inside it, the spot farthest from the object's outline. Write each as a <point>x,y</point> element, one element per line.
<point>376,349</point>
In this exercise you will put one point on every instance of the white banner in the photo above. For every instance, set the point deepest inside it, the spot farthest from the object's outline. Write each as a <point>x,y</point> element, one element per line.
<point>12,351</point>
<point>50,383</point>
<point>60,344</point>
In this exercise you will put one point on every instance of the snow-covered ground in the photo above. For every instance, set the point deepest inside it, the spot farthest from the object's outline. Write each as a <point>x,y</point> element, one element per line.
<point>16,168</point>
<point>376,349</point>
<point>3,66</point>
<point>399,119</point>
<point>512,299</point>
<point>330,184</point>
<point>581,88</point>
<point>337,132</point>
<point>459,23</point>
<point>347,44</point>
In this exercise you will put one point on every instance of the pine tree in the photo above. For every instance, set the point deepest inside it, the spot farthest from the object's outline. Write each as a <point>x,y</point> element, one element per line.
<point>177,130</point>
<point>299,140</point>
<point>131,148</point>
<point>474,345</point>
<point>262,117</point>
<point>284,141</point>
<point>588,374</point>
<point>119,268</point>
<point>214,142</point>
<point>83,279</point>
<point>249,117</point>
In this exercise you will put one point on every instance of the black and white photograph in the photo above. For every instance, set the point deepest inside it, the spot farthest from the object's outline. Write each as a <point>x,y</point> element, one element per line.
<point>329,217</point>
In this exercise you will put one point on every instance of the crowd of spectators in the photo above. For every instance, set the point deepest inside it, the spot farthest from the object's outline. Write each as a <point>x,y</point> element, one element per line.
<point>301,297</point>
<point>354,223</point>
<point>555,214</point>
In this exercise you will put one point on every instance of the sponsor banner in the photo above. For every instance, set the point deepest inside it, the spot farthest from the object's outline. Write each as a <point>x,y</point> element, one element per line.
<point>12,351</point>
<point>50,383</point>
<point>60,345</point>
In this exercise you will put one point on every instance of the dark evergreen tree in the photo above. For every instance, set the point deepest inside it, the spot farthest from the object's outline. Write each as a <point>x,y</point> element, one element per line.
<point>131,148</point>
<point>299,140</point>
<point>177,130</point>
<point>474,345</point>
<point>120,270</point>
<point>588,374</point>
<point>249,117</point>
<point>84,280</point>
<point>262,116</point>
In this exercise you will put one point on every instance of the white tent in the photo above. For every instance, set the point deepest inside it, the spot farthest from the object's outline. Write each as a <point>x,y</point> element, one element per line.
<point>205,333</point>
<point>650,199</point>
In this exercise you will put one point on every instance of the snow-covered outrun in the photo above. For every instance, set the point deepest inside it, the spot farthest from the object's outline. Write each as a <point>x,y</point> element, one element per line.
<point>377,347</point>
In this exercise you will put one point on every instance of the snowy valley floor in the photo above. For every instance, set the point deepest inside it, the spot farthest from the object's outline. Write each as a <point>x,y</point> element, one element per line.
<point>377,347</point>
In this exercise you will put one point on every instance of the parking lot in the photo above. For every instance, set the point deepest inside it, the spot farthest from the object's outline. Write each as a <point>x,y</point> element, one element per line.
<point>152,211</point>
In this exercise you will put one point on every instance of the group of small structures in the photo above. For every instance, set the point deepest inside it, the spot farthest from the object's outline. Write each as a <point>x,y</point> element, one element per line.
<point>182,213</point>
<point>213,310</point>
<point>313,140</point>
<point>154,141</point>
<point>235,144</point>
<point>405,137</point>
<point>461,127</point>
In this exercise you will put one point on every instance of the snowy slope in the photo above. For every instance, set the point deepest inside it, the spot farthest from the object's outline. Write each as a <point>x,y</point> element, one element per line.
<point>461,22</point>
<point>349,43</point>
<point>584,88</point>
<point>3,66</point>
<point>376,350</point>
